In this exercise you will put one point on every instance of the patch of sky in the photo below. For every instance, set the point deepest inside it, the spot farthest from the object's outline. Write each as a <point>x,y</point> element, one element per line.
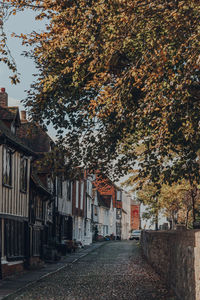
<point>23,22</point>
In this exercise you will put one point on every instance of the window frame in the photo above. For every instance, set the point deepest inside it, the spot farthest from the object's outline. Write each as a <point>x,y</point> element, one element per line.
<point>77,193</point>
<point>24,174</point>
<point>81,194</point>
<point>14,247</point>
<point>69,187</point>
<point>59,186</point>
<point>7,151</point>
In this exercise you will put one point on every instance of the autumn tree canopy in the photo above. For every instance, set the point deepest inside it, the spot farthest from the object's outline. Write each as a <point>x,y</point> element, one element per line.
<point>113,74</point>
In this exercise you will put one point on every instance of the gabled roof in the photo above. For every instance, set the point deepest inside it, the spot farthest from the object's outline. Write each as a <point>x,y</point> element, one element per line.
<point>10,113</point>
<point>7,137</point>
<point>40,186</point>
<point>35,137</point>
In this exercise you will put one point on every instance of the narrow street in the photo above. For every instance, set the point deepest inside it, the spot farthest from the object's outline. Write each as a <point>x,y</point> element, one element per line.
<point>113,271</point>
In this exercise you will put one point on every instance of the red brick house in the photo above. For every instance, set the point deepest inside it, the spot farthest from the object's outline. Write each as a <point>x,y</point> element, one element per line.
<point>135,216</point>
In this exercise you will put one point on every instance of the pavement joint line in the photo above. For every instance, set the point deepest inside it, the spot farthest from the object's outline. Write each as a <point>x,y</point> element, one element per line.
<point>50,273</point>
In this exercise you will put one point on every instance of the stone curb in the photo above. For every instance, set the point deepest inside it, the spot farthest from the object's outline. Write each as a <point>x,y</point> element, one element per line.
<point>17,291</point>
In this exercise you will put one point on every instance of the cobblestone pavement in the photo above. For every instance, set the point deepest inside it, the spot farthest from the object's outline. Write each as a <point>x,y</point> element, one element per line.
<point>114,271</point>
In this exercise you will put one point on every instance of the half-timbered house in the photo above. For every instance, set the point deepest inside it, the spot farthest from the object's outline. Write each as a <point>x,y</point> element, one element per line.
<point>39,200</point>
<point>58,224</point>
<point>42,191</point>
<point>64,222</point>
<point>15,160</point>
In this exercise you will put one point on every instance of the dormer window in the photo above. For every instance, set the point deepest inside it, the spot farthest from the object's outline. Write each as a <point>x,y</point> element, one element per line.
<point>7,166</point>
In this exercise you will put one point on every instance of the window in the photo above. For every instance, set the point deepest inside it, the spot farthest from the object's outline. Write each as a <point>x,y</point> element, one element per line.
<point>36,237</point>
<point>118,213</point>
<point>92,211</point>
<point>82,192</point>
<point>7,166</point>
<point>71,190</point>
<point>59,186</point>
<point>95,210</point>
<point>14,239</point>
<point>77,193</point>
<point>50,184</point>
<point>39,209</point>
<point>119,196</point>
<point>68,190</point>
<point>23,174</point>
<point>118,229</point>
<point>13,128</point>
<point>89,203</point>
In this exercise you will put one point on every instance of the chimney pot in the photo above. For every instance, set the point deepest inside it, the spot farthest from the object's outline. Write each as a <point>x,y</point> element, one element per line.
<point>3,98</point>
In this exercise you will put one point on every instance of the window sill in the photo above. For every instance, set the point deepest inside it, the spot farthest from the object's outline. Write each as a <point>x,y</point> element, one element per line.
<point>23,192</point>
<point>39,219</point>
<point>14,258</point>
<point>7,185</point>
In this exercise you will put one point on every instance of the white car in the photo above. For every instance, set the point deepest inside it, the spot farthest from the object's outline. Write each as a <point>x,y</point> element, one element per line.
<point>135,235</point>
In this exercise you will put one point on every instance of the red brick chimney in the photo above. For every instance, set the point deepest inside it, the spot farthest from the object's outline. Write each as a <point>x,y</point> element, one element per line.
<point>3,97</point>
<point>23,116</point>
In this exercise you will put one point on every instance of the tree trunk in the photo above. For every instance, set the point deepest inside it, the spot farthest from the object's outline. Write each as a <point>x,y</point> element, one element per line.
<point>193,193</point>
<point>156,221</point>
<point>187,216</point>
<point>173,221</point>
<point>193,196</point>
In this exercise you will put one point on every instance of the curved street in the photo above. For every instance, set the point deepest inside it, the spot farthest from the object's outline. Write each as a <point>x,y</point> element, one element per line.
<point>113,271</point>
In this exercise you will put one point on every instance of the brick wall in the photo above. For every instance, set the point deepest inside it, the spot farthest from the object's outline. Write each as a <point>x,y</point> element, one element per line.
<point>35,263</point>
<point>175,255</point>
<point>11,269</point>
<point>135,217</point>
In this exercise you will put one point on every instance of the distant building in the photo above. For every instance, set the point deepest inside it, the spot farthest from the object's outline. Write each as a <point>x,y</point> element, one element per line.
<point>126,215</point>
<point>135,215</point>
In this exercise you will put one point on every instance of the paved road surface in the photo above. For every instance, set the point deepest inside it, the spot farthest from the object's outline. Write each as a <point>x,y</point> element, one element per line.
<point>114,271</point>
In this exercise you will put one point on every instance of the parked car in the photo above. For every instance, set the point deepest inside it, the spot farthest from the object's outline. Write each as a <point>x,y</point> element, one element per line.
<point>135,235</point>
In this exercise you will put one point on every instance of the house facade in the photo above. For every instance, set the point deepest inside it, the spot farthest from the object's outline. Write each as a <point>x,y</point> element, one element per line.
<point>88,231</point>
<point>15,162</point>
<point>78,208</point>
<point>42,209</point>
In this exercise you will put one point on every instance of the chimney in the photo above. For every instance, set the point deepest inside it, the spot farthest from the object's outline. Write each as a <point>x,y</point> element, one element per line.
<point>23,116</point>
<point>3,97</point>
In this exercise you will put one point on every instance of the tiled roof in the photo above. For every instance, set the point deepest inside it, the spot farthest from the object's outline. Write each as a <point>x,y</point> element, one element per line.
<point>7,136</point>
<point>40,185</point>
<point>10,113</point>
<point>34,137</point>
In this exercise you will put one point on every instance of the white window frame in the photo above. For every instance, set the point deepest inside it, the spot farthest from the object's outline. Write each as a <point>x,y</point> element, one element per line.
<point>77,193</point>
<point>7,166</point>
<point>82,194</point>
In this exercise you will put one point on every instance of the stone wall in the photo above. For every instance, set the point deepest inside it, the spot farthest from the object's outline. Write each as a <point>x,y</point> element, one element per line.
<point>175,255</point>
